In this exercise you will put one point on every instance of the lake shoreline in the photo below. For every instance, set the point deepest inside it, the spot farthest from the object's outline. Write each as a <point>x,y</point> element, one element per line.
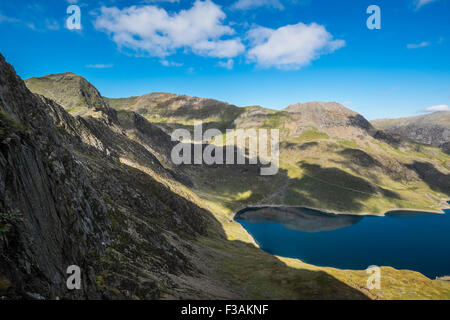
<point>383,214</point>
<point>364,214</point>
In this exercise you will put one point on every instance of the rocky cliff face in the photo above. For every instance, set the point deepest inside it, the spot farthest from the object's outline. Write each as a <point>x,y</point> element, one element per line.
<point>66,199</point>
<point>55,217</point>
<point>327,117</point>
<point>432,129</point>
<point>98,190</point>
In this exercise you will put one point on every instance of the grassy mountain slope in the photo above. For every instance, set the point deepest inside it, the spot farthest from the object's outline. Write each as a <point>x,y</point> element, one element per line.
<point>92,196</point>
<point>330,156</point>
<point>341,164</point>
<point>76,94</point>
<point>68,198</point>
<point>170,109</point>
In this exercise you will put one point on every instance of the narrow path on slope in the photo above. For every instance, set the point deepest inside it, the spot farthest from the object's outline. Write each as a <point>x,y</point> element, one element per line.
<point>280,192</point>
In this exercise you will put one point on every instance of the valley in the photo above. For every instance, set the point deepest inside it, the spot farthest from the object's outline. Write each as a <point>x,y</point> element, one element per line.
<point>84,170</point>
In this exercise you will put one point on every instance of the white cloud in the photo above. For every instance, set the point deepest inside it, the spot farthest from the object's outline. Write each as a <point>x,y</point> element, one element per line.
<point>51,24</point>
<point>291,46</point>
<point>153,31</point>
<point>441,107</point>
<point>4,18</point>
<point>155,1</point>
<point>420,3</point>
<point>99,66</point>
<point>25,20</point>
<point>274,4</point>
<point>252,4</point>
<point>167,63</point>
<point>418,45</point>
<point>30,25</point>
<point>229,64</point>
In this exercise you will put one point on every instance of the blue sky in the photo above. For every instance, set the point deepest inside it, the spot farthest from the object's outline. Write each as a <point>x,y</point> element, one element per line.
<point>247,52</point>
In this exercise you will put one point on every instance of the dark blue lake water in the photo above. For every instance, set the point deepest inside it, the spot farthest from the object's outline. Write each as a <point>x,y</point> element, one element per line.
<point>402,239</point>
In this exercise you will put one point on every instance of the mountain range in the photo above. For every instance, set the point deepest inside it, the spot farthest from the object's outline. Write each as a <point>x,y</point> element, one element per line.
<point>88,180</point>
<point>321,143</point>
<point>431,129</point>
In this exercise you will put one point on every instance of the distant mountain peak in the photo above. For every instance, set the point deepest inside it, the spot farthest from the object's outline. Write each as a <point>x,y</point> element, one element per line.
<point>57,76</point>
<point>73,92</point>
<point>327,114</point>
<point>431,128</point>
<point>319,106</point>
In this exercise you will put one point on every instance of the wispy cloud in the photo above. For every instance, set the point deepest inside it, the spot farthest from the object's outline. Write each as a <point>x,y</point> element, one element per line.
<point>156,1</point>
<point>29,22</point>
<point>252,4</point>
<point>150,30</point>
<point>51,24</point>
<point>291,46</point>
<point>420,3</point>
<point>99,66</point>
<point>441,107</point>
<point>229,64</point>
<point>271,4</point>
<point>418,45</point>
<point>167,63</point>
<point>4,18</point>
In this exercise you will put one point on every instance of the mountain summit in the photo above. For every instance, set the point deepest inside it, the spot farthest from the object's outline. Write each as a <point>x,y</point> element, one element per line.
<point>327,114</point>
<point>77,95</point>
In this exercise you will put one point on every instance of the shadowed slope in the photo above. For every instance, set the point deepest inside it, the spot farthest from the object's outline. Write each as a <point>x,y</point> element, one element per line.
<point>432,129</point>
<point>67,199</point>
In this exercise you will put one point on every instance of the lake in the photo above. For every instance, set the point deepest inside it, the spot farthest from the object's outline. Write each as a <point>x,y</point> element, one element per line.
<point>410,240</point>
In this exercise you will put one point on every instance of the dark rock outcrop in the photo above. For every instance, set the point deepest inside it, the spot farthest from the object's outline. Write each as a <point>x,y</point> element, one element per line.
<point>432,128</point>
<point>58,218</point>
<point>66,199</point>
